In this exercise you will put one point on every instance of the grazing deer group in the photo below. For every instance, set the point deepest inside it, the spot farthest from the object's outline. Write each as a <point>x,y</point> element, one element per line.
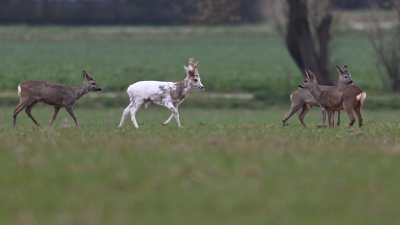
<point>303,98</point>
<point>349,98</point>
<point>169,94</point>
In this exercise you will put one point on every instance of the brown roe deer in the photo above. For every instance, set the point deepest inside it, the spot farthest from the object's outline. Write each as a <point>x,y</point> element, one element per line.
<point>57,95</point>
<point>350,97</point>
<point>302,98</point>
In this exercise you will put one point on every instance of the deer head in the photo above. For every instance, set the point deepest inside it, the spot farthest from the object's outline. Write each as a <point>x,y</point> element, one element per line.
<point>193,74</point>
<point>344,76</point>
<point>90,82</point>
<point>309,81</point>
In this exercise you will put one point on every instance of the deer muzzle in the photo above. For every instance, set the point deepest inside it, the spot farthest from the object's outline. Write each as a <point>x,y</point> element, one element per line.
<point>202,88</point>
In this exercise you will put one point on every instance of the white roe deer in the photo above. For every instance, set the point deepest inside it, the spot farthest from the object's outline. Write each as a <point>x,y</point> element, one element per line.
<point>350,97</point>
<point>57,95</point>
<point>167,94</point>
<point>302,98</point>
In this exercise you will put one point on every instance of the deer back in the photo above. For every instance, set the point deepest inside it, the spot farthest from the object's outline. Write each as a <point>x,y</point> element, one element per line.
<point>338,96</point>
<point>303,95</point>
<point>47,92</point>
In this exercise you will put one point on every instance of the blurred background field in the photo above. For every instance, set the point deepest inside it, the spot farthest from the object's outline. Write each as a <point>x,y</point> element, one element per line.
<point>233,59</point>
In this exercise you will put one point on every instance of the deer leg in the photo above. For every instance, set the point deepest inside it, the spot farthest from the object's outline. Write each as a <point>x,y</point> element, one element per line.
<point>175,112</point>
<point>55,112</point>
<point>28,111</point>
<point>338,118</point>
<point>323,116</point>
<point>125,113</point>
<point>293,109</point>
<point>169,119</point>
<point>71,112</point>
<point>329,111</point>
<point>333,118</point>
<point>349,111</point>
<point>303,114</point>
<point>357,109</point>
<point>19,108</point>
<point>134,110</point>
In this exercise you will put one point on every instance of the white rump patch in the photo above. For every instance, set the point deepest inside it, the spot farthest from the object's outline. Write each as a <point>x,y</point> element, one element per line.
<point>363,95</point>
<point>19,90</point>
<point>290,97</point>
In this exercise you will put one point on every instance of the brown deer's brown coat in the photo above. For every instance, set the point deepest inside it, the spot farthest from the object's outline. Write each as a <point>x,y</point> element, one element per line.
<point>302,98</point>
<point>57,95</point>
<point>347,97</point>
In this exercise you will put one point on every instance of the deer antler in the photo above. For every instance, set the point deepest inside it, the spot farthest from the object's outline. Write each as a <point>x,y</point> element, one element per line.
<point>193,64</point>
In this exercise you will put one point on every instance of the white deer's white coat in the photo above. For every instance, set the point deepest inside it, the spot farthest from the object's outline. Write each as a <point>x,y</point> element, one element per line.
<point>154,91</point>
<point>168,94</point>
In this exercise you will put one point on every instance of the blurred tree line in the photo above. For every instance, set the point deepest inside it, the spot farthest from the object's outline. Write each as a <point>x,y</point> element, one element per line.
<point>151,12</point>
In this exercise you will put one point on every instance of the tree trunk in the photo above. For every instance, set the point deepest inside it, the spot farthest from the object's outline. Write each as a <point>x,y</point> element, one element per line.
<point>302,45</point>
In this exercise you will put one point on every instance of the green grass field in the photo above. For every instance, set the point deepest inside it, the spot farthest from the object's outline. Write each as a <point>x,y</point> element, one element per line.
<point>224,166</point>
<point>231,163</point>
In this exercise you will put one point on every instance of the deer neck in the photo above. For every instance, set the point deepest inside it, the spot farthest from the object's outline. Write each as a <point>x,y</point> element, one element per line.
<point>80,91</point>
<point>183,88</point>
<point>316,92</point>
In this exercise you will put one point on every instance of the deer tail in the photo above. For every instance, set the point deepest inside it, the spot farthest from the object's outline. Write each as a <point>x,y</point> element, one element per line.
<point>131,94</point>
<point>361,97</point>
<point>19,90</point>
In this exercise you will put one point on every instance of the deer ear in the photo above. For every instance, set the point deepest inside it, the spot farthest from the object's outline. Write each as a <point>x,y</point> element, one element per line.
<point>346,70</point>
<point>186,70</point>
<point>191,73</point>
<point>86,76</point>
<point>341,72</point>
<point>310,74</point>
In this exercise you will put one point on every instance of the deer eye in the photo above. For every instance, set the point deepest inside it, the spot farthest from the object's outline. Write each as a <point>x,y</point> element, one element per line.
<point>195,80</point>
<point>93,83</point>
